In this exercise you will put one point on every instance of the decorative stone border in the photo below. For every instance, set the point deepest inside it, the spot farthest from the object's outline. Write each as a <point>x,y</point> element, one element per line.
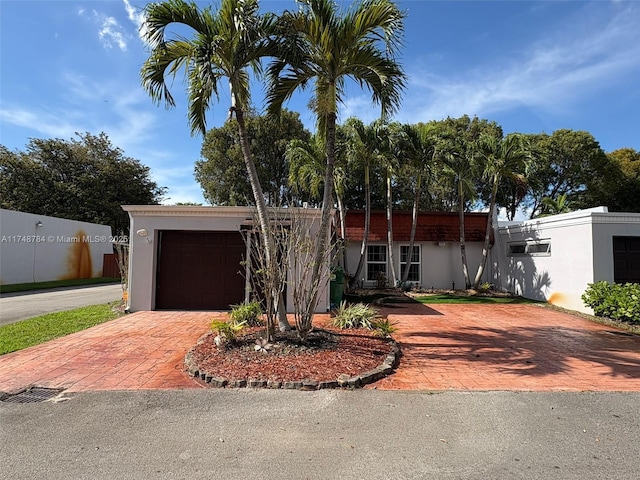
<point>343,381</point>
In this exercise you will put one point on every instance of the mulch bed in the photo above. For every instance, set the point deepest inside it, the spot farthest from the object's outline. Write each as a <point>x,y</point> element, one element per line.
<point>327,355</point>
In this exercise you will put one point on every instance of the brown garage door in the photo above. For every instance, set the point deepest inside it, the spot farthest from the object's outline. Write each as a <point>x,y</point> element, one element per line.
<point>626,259</point>
<point>199,270</point>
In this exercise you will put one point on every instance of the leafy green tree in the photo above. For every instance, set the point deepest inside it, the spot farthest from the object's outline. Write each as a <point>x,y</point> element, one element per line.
<point>567,162</point>
<point>320,45</point>
<point>618,184</point>
<point>221,171</point>
<point>85,178</point>
<point>226,43</point>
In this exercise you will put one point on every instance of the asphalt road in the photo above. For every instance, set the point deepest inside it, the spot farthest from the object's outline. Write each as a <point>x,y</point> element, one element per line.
<point>22,305</point>
<point>327,434</point>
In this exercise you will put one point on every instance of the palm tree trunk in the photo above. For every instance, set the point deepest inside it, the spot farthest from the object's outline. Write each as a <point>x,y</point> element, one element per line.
<point>414,224</point>
<point>463,246</point>
<point>367,223</point>
<point>263,217</point>
<point>343,231</point>
<point>390,228</point>
<point>487,235</point>
<point>327,204</point>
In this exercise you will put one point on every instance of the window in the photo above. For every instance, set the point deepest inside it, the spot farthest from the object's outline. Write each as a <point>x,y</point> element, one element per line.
<point>540,249</point>
<point>376,262</point>
<point>414,269</point>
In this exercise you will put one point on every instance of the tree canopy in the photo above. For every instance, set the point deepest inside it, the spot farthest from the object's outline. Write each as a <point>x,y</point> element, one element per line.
<point>221,171</point>
<point>84,178</point>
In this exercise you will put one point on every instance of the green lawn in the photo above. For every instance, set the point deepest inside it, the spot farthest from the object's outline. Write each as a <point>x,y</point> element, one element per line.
<point>33,331</point>
<point>472,299</point>
<point>23,287</point>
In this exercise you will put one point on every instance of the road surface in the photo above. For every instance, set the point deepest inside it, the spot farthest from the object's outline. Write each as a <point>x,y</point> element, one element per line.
<point>22,305</point>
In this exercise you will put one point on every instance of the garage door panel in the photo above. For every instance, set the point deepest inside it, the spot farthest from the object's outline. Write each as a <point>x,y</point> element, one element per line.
<point>199,270</point>
<point>626,259</point>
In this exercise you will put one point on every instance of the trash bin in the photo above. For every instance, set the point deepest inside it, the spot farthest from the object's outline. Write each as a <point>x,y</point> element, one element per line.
<point>336,287</point>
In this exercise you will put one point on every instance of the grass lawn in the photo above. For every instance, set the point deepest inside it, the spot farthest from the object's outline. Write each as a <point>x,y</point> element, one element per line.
<point>470,299</point>
<point>33,331</point>
<point>23,287</point>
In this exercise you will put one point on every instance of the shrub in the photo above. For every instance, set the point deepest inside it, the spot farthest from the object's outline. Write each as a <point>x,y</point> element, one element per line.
<point>227,330</point>
<point>383,327</point>
<point>357,315</point>
<point>248,313</point>
<point>615,301</point>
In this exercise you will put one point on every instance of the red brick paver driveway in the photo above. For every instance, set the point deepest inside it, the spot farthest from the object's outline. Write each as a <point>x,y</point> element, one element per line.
<point>479,347</point>
<point>509,347</point>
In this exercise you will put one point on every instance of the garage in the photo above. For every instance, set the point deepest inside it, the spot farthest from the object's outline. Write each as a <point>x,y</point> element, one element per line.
<point>189,257</point>
<point>199,270</point>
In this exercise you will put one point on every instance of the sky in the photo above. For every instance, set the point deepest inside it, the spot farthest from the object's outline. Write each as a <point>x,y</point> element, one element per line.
<point>71,66</point>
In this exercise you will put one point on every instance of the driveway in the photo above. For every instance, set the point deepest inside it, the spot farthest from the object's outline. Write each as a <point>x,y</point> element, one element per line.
<point>22,305</point>
<point>445,347</point>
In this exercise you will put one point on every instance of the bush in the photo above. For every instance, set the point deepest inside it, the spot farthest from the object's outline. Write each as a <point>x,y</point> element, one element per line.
<point>357,315</point>
<point>384,327</point>
<point>615,301</point>
<point>227,330</point>
<point>249,314</point>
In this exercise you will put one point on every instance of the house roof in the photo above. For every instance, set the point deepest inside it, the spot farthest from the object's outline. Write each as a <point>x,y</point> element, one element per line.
<point>431,227</point>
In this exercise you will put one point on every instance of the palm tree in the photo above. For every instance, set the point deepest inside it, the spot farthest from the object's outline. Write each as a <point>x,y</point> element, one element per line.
<point>320,45</point>
<point>555,206</point>
<point>306,167</point>
<point>419,151</point>
<point>226,43</point>
<point>457,162</point>
<point>364,147</point>
<point>502,158</point>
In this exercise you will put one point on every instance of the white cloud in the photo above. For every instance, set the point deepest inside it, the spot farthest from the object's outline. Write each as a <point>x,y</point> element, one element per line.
<point>137,16</point>
<point>110,32</point>
<point>555,75</point>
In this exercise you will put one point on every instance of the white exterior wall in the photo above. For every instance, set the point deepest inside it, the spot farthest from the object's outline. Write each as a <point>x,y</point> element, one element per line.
<point>581,253</point>
<point>440,266</point>
<point>54,249</point>
<point>143,252</point>
<point>605,227</point>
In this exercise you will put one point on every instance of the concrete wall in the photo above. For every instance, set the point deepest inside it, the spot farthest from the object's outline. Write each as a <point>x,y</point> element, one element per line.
<point>581,253</point>
<point>441,263</point>
<point>147,221</point>
<point>39,248</point>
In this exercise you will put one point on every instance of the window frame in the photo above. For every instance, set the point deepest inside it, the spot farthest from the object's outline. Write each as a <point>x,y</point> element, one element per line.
<point>418,263</point>
<point>384,262</point>
<point>529,248</point>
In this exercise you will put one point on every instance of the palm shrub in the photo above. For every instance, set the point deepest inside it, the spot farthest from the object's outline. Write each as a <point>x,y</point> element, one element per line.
<point>249,314</point>
<point>616,301</point>
<point>383,327</point>
<point>357,315</point>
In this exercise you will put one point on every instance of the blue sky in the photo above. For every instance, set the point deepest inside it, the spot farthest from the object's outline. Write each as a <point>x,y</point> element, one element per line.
<point>532,66</point>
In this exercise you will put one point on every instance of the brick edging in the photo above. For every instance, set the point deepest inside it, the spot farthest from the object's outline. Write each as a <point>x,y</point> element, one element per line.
<point>343,381</point>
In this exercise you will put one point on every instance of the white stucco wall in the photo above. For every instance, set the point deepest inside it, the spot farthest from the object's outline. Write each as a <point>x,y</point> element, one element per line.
<point>39,248</point>
<point>440,265</point>
<point>581,253</point>
<point>152,219</point>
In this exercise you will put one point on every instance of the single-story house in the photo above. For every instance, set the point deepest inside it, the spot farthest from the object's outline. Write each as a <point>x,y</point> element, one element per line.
<point>41,248</point>
<point>436,260</point>
<point>193,257</point>
<point>555,258</point>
